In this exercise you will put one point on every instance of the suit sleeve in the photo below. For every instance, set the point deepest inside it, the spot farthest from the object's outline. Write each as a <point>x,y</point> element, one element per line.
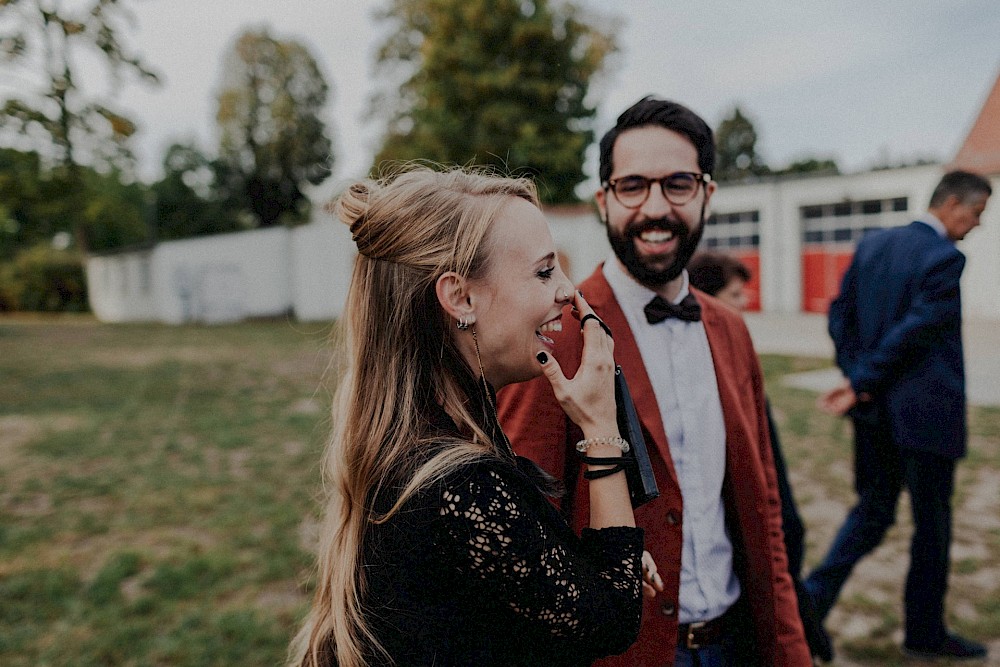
<point>936,304</point>
<point>843,323</point>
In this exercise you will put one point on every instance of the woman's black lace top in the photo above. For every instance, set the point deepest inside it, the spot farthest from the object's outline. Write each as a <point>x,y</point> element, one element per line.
<point>480,569</point>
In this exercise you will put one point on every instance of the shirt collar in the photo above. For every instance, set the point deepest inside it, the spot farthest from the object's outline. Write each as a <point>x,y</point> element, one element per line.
<point>628,290</point>
<point>934,223</point>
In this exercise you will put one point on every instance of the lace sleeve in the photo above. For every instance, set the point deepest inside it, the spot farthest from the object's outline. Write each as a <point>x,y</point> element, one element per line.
<point>513,543</point>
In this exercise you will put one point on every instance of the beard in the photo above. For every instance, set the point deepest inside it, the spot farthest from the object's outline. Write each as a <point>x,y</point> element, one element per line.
<point>623,243</point>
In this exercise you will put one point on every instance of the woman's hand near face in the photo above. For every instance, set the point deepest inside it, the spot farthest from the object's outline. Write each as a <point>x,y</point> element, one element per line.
<point>589,398</point>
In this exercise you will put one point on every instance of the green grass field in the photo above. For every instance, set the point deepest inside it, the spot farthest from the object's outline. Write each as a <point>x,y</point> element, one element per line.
<point>158,491</point>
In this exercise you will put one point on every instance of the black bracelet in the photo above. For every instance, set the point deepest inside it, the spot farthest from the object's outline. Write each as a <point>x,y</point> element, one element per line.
<point>604,460</point>
<point>603,472</point>
<point>617,463</point>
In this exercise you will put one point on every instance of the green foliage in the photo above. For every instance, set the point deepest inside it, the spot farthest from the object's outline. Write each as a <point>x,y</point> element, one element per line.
<point>43,44</point>
<point>736,152</point>
<point>273,141</point>
<point>737,158</point>
<point>492,82</point>
<point>812,166</point>
<point>39,203</point>
<point>114,213</point>
<point>39,208</point>
<point>33,206</point>
<point>42,278</point>
<point>189,200</point>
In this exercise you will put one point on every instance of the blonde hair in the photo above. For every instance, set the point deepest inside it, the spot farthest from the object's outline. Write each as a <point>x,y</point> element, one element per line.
<point>400,357</point>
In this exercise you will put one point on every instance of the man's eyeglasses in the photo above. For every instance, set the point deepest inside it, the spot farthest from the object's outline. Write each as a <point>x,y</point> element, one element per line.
<point>678,188</point>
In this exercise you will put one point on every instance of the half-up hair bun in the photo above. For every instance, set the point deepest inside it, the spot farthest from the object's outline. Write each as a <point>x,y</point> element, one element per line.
<point>351,208</point>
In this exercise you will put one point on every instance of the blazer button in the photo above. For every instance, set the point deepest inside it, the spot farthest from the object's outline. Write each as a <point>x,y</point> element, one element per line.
<point>672,518</point>
<point>668,609</point>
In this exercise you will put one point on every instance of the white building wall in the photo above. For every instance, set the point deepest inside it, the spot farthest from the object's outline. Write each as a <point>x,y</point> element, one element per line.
<point>307,270</point>
<point>981,278</point>
<point>322,262</point>
<point>120,287</point>
<point>223,278</point>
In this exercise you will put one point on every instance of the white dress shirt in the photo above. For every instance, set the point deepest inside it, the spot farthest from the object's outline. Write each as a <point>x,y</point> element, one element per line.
<point>934,223</point>
<point>679,364</point>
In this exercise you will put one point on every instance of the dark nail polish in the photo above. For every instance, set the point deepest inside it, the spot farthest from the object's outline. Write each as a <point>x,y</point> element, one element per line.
<point>542,358</point>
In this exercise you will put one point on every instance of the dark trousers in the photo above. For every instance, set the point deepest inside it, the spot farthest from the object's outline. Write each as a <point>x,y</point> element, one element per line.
<point>791,522</point>
<point>880,471</point>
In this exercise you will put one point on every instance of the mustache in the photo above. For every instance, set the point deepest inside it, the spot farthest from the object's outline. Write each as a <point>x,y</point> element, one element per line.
<point>676,227</point>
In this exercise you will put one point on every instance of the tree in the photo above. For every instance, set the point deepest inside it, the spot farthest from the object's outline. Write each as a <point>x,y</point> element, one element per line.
<point>40,46</point>
<point>812,165</point>
<point>39,204</point>
<point>188,199</point>
<point>273,140</point>
<point>24,192</point>
<point>736,153</point>
<point>492,82</point>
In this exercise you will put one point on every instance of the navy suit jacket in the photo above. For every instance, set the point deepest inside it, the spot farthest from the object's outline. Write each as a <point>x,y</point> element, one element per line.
<point>897,330</point>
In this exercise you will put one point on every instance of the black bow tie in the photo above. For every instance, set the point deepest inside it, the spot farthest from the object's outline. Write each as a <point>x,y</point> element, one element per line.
<point>660,309</point>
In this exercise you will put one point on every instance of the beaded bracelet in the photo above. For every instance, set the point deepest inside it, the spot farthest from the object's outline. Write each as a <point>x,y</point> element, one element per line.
<point>619,442</point>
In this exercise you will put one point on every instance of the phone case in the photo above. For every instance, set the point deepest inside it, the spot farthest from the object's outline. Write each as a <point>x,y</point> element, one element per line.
<point>638,470</point>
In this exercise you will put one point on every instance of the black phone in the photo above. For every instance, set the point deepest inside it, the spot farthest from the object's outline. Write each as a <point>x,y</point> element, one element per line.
<point>638,470</point>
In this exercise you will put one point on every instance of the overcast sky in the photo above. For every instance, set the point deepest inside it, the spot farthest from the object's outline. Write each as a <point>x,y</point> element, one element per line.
<point>861,81</point>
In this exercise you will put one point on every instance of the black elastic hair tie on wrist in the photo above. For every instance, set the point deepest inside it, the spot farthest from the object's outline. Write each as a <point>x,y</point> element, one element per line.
<point>617,461</point>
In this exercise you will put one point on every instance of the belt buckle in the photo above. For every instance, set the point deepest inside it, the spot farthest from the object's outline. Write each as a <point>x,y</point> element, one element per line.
<point>690,642</point>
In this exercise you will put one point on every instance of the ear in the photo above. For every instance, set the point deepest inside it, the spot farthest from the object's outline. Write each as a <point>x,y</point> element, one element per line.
<point>951,202</point>
<point>709,191</point>
<point>944,210</point>
<point>600,198</point>
<point>453,294</point>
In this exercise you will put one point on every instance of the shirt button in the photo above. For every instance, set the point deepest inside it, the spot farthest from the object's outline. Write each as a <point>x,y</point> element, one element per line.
<point>668,609</point>
<point>672,518</point>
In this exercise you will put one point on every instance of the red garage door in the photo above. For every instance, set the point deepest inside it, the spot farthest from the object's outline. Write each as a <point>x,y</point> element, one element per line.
<point>830,233</point>
<point>738,235</point>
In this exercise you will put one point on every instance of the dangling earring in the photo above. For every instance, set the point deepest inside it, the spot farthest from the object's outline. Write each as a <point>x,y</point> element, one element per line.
<point>462,324</point>
<point>507,449</point>
<point>479,359</point>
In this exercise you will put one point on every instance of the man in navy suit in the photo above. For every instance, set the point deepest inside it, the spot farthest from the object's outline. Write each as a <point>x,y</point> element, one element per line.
<point>896,326</point>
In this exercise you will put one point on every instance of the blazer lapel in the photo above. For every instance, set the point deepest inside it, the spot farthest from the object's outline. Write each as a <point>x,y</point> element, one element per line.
<point>733,414</point>
<point>599,295</point>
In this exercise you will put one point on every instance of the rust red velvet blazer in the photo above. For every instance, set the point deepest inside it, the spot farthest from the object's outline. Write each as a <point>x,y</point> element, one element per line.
<point>540,430</point>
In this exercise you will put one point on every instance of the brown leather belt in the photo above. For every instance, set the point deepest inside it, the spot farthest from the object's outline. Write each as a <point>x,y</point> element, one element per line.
<point>702,633</point>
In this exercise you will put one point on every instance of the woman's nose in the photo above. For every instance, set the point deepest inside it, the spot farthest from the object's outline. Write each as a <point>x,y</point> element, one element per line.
<point>565,293</point>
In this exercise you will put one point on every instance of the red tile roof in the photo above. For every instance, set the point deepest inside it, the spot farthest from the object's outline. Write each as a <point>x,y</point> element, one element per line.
<point>981,150</point>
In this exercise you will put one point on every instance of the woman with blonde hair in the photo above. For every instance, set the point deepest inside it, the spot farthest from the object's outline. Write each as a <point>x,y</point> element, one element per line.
<point>438,547</point>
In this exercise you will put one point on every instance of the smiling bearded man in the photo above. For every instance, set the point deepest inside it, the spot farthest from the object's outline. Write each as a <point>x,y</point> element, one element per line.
<point>715,530</point>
